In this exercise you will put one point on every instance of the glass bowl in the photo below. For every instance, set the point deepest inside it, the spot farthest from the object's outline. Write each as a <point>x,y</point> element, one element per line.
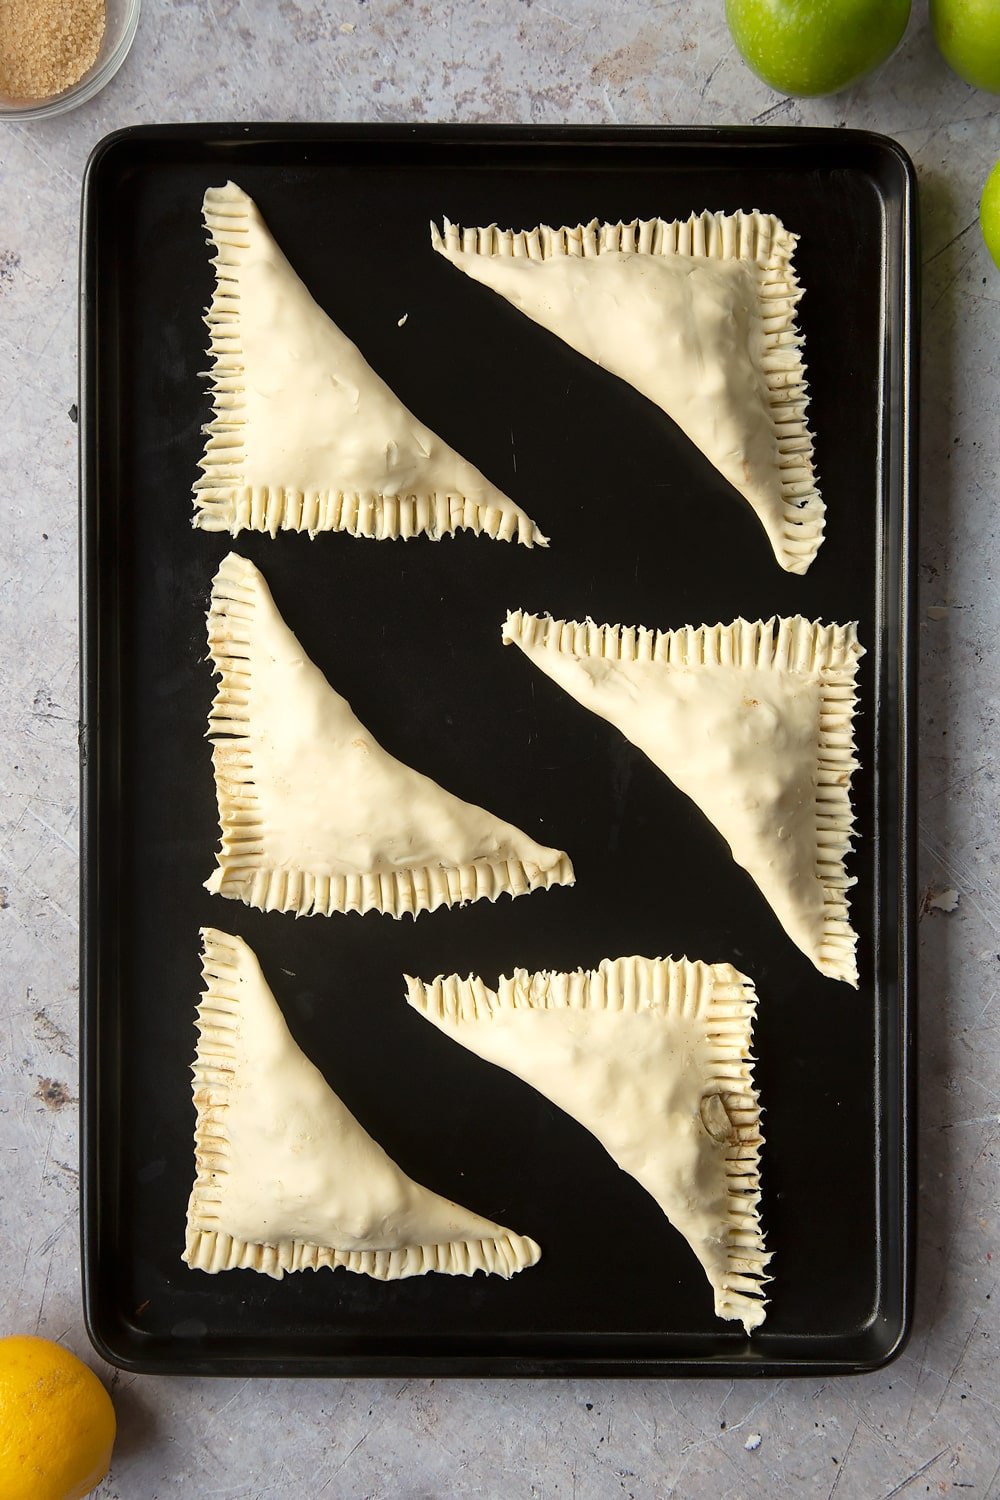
<point>119,34</point>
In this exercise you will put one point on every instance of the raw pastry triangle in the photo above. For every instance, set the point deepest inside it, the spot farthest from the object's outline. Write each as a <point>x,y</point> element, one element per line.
<point>653,1057</point>
<point>698,316</point>
<point>755,723</point>
<point>305,436</point>
<point>315,815</point>
<point>286,1178</point>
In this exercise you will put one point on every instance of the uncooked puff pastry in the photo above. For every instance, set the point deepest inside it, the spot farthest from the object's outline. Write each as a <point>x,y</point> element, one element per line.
<point>315,815</point>
<point>286,1178</point>
<point>754,722</point>
<point>653,1057</point>
<point>700,317</point>
<point>305,436</point>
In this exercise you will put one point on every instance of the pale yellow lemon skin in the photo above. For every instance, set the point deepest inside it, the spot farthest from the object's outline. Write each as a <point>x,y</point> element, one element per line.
<point>57,1423</point>
<point>989,213</point>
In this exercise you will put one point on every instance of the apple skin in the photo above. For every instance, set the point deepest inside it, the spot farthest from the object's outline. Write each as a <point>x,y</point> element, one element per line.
<point>989,213</point>
<point>968,34</point>
<point>809,47</point>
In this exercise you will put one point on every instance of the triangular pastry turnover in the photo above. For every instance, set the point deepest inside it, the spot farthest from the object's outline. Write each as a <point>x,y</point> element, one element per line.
<point>305,436</point>
<point>315,815</point>
<point>754,722</point>
<point>653,1057</point>
<point>700,317</point>
<point>286,1177</point>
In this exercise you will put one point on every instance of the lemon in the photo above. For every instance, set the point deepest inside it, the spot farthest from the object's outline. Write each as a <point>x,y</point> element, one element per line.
<point>57,1424</point>
<point>989,213</point>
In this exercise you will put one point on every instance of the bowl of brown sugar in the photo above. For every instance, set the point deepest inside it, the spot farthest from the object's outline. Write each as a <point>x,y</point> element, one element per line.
<point>56,54</point>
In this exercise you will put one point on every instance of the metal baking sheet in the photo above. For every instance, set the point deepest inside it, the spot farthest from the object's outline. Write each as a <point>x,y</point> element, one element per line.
<point>643,530</point>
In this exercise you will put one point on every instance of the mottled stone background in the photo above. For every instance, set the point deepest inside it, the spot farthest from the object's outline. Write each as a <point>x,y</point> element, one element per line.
<point>929,1423</point>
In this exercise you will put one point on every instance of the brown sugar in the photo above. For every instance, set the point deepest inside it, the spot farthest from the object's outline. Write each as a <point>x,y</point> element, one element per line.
<point>47,45</point>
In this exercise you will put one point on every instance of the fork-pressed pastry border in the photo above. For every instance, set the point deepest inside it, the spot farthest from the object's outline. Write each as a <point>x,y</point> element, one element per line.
<point>828,654</point>
<point>224,500</point>
<point>724,1001</point>
<point>760,242</point>
<point>212,1249</point>
<point>242,873</point>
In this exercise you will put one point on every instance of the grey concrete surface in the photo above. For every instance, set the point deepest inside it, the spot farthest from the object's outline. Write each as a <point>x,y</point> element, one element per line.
<point>929,1423</point>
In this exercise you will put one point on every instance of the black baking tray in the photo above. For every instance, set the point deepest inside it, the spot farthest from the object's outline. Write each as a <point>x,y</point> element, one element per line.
<point>409,632</point>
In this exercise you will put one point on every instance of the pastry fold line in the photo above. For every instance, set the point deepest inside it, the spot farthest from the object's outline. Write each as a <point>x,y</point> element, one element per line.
<point>243,872</point>
<point>226,496</point>
<point>719,1003</point>
<point>766,248</point>
<point>225,960</point>
<point>825,654</point>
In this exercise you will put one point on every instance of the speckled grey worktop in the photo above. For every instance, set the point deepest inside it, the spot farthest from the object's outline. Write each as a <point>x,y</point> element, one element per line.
<point>931,1422</point>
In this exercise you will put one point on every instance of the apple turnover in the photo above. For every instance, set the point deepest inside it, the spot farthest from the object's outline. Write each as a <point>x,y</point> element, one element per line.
<point>305,436</point>
<point>755,723</point>
<point>286,1177</point>
<point>653,1057</point>
<point>699,316</point>
<point>315,815</point>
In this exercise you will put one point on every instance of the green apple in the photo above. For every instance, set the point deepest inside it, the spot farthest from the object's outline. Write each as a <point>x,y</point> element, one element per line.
<point>968,33</point>
<point>816,46</point>
<point>989,213</point>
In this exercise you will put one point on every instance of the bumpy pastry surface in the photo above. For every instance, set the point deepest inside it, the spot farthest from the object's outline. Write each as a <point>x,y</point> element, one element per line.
<point>305,435</point>
<point>286,1178</point>
<point>653,1057</point>
<point>754,722</point>
<point>699,316</point>
<point>315,815</point>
